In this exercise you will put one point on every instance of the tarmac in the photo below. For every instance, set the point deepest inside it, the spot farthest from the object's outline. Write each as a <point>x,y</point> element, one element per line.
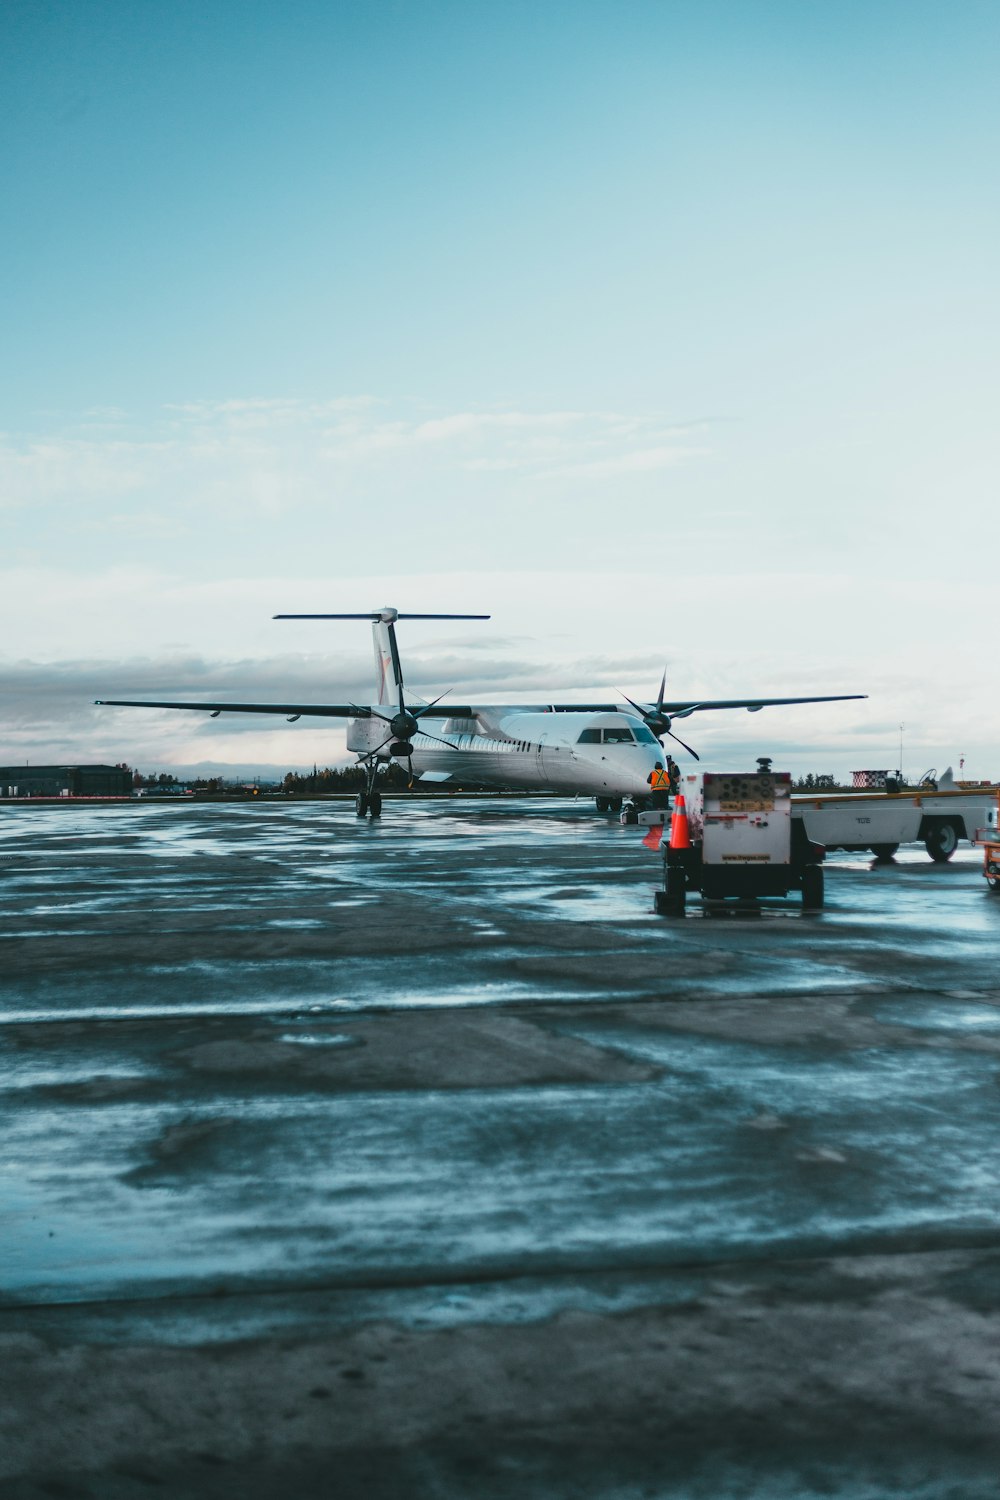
<point>422,1158</point>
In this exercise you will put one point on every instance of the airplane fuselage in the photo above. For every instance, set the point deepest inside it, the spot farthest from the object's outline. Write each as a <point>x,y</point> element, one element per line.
<point>606,754</point>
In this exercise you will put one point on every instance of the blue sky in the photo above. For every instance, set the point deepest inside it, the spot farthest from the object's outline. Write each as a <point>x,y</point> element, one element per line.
<point>685,314</point>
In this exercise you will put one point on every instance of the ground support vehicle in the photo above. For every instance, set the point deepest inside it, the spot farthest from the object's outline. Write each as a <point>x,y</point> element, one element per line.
<point>744,844</point>
<point>989,838</point>
<point>881,821</point>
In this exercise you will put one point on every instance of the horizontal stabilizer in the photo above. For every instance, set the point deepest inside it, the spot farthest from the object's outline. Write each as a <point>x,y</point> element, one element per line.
<point>377,614</point>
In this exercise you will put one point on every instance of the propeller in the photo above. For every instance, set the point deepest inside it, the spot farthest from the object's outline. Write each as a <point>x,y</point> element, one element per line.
<point>403,725</point>
<point>659,721</point>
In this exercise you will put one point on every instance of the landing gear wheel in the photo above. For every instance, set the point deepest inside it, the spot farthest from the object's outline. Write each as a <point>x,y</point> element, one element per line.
<point>603,804</point>
<point>614,804</point>
<point>375,804</point>
<point>361,805</point>
<point>941,841</point>
<point>812,888</point>
<point>884,852</point>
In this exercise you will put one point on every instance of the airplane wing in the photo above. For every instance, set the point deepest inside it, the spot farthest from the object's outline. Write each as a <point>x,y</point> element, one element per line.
<point>324,710</point>
<point>317,710</point>
<point>676,708</point>
<point>682,709</point>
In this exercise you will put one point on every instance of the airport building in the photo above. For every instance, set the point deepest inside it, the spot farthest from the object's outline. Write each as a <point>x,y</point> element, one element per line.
<point>65,781</point>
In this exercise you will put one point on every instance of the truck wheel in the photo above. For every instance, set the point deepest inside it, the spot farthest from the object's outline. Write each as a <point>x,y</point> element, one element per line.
<point>884,851</point>
<point>941,841</point>
<point>812,888</point>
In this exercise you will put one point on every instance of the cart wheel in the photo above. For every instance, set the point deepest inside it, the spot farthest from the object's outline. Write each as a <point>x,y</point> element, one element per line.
<point>812,888</point>
<point>884,851</point>
<point>941,841</point>
<point>993,880</point>
<point>629,815</point>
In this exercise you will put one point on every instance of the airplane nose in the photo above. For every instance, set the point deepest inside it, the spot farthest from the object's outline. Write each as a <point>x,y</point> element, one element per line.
<point>633,772</point>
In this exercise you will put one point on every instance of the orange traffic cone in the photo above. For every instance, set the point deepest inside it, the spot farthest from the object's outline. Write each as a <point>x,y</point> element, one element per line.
<point>680,835</point>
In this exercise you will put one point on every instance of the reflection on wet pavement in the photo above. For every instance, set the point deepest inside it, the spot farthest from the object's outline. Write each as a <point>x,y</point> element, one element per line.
<point>446,1093</point>
<point>155,957</point>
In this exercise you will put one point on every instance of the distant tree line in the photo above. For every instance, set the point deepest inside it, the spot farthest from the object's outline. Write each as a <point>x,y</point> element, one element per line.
<point>161,779</point>
<point>341,779</point>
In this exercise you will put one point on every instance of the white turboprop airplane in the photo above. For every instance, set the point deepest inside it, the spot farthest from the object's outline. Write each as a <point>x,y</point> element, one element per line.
<point>593,749</point>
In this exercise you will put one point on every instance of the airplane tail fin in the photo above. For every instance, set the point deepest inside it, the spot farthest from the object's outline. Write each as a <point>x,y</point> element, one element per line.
<point>388,672</point>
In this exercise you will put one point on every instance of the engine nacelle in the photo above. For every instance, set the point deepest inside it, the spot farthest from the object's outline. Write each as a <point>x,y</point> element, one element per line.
<point>365,735</point>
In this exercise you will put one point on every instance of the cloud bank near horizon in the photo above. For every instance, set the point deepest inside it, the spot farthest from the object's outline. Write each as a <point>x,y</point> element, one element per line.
<point>48,714</point>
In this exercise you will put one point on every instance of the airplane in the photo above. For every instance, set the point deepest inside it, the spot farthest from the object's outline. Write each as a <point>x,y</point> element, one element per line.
<point>601,750</point>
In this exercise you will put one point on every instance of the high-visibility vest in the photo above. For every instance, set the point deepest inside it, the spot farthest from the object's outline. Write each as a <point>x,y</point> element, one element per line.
<point>658,779</point>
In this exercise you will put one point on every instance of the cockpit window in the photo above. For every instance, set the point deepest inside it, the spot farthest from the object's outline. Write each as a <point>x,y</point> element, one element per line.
<point>621,734</point>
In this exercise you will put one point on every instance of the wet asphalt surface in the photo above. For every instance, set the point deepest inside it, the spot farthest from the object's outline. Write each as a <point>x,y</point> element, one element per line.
<point>272,1074</point>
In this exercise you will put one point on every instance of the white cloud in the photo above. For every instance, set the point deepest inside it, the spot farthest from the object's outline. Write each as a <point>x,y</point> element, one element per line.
<point>156,548</point>
<point>209,462</point>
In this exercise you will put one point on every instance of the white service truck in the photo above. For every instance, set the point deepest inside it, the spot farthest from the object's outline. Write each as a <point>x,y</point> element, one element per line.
<point>744,843</point>
<point>939,815</point>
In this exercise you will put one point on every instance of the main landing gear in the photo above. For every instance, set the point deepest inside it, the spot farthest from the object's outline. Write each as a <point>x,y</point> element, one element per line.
<point>369,802</point>
<point>608,804</point>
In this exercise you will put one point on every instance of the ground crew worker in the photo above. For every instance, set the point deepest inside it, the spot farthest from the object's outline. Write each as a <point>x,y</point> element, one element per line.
<point>659,784</point>
<point>673,774</point>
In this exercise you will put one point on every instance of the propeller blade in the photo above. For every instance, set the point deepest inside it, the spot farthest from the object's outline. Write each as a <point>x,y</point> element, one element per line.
<point>428,706</point>
<point>635,705</point>
<point>681,742</point>
<point>663,689</point>
<point>658,721</point>
<point>446,743</point>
